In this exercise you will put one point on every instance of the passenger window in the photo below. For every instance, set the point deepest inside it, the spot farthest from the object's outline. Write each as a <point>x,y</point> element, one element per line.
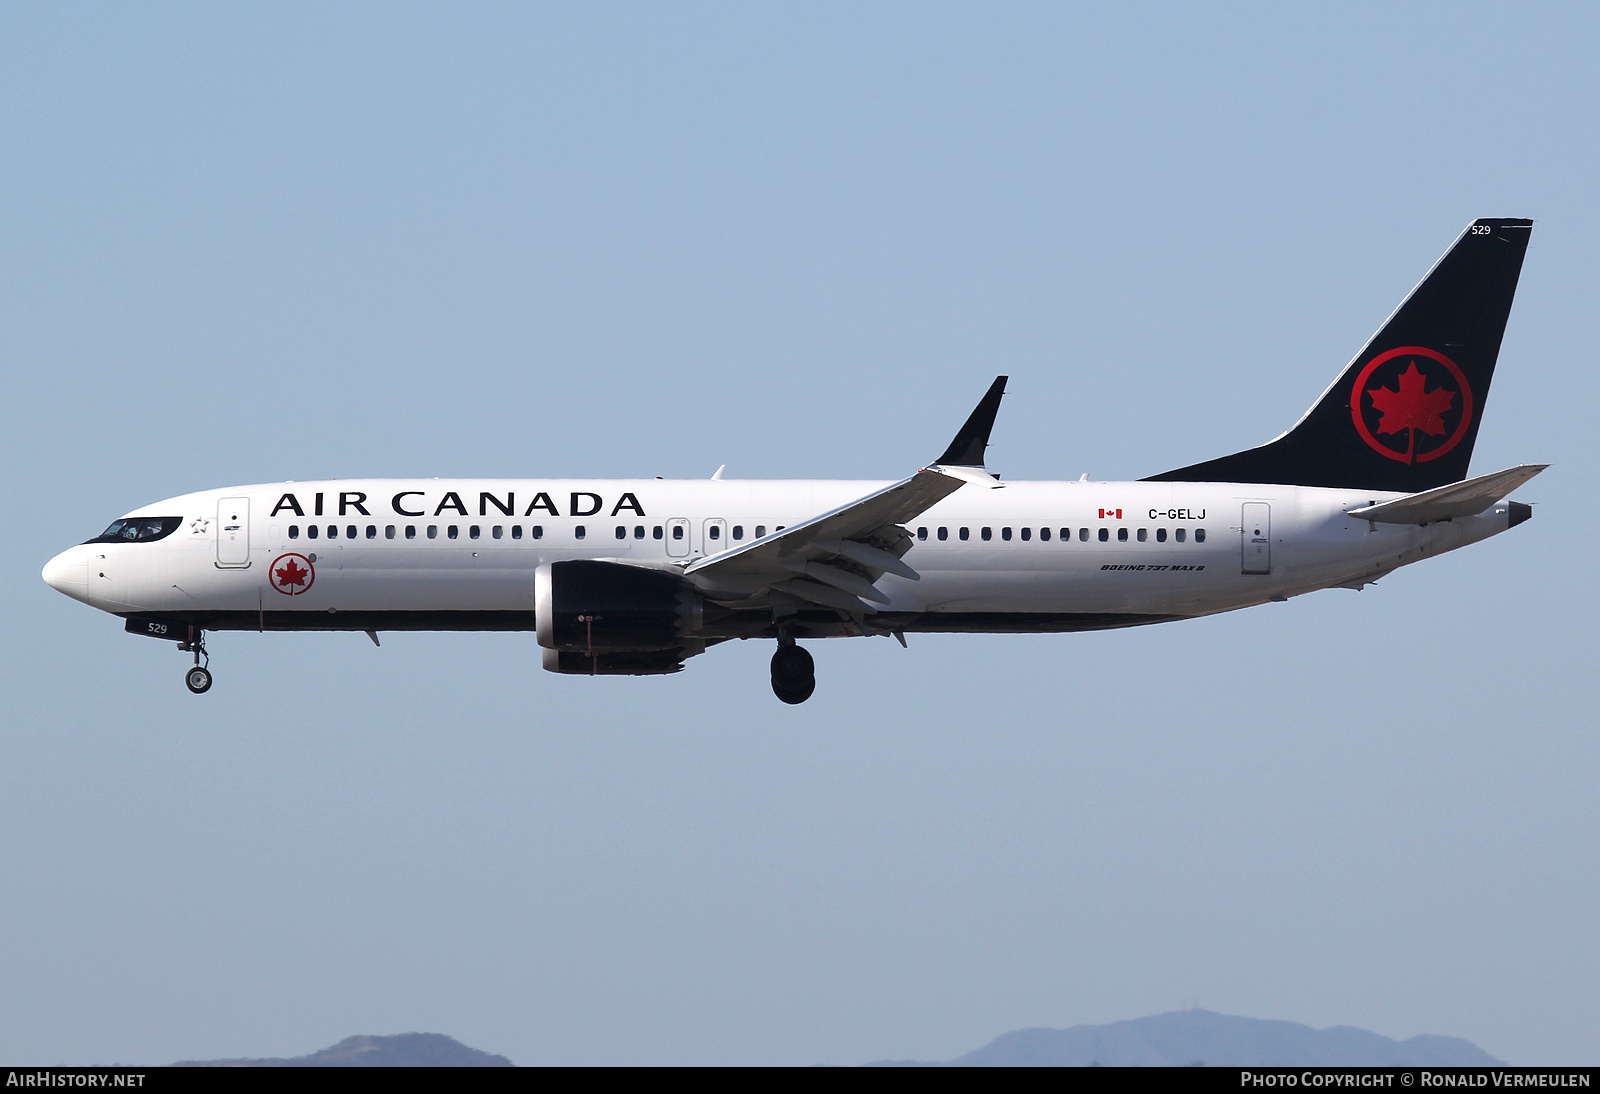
<point>1180,534</point>
<point>454,531</point>
<point>472,533</point>
<point>779,528</point>
<point>311,531</point>
<point>433,531</point>
<point>1027,534</point>
<point>677,531</point>
<point>638,531</point>
<point>498,532</point>
<point>922,533</point>
<point>1105,534</point>
<point>1143,535</point>
<point>944,533</point>
<point>537,531</point>
<point>656,532</point>
<point>579,532</point>
<point>388,531</point>
<point>411,531</point>
<point>738,531</point>
<point>1005,534</point>
<point>622,531</point>
<point>1161,535</point>
<point>1199,535</point>
<point>333,531</point>
<point>715,531</point>
<point>516,531</point>
<point>294,531</point>
<point>1122,535</point>
<point>761,530</point>
<point>962,533</point>
<point>1083,535</point>
<point>372,531</point>
<point>986,534</point>
<point>350,532</point>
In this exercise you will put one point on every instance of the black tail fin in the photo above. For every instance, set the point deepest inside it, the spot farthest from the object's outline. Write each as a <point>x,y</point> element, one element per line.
<point>1404,414</point>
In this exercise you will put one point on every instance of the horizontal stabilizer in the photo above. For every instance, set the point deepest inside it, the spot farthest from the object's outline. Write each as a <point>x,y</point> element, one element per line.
<point>1458,499</point>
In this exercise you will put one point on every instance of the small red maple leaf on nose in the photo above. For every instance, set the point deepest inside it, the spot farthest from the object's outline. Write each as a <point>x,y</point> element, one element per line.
<point>1411,406</point>
<point>291,574</point>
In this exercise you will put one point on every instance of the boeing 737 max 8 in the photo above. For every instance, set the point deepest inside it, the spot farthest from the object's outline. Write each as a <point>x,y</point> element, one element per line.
<point>635,576</point>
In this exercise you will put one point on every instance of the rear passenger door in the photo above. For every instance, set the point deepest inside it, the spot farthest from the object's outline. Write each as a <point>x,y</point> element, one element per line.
<point>1255,536</point>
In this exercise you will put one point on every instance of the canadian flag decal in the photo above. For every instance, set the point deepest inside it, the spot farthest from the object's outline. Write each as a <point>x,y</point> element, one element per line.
<point>1115,514</point>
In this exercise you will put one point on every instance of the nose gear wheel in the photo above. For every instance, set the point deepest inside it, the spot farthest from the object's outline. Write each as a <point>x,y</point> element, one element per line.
<point>198,678</point>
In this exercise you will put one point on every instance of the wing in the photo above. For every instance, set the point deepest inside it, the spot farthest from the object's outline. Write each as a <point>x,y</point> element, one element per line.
<point>832,559</point>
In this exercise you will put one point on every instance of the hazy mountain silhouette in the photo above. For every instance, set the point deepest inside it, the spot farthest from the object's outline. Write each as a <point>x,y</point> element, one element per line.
<point>401,1050</point>
<point>1203,1037</point>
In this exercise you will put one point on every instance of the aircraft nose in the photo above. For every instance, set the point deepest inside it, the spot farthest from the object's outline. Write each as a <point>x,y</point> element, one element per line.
<point>68,572</point>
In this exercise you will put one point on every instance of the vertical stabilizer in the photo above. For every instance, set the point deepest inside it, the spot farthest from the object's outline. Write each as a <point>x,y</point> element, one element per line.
<point>1404,414</point>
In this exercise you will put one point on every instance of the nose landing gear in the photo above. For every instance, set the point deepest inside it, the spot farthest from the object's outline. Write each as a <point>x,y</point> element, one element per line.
<point>198,678</point>
<point>794,673</point>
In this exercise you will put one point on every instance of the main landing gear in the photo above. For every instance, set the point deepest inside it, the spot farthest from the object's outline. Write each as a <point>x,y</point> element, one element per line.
<point>794,673</point>
<point>198,678</point>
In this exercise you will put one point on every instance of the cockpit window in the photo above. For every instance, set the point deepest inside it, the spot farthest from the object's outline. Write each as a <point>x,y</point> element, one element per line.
<point>138,530</point>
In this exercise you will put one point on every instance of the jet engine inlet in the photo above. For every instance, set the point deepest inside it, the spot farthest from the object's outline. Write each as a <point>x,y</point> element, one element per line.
<point>608,607</point>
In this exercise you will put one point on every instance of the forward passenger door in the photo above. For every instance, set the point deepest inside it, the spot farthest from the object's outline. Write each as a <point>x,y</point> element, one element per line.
<point>233,533</point>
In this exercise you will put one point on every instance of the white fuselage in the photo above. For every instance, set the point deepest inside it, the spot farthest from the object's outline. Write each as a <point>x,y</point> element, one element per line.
<point>462,553</point>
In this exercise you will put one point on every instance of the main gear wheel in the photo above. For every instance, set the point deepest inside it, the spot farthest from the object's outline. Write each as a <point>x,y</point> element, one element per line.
<point>794,674</point>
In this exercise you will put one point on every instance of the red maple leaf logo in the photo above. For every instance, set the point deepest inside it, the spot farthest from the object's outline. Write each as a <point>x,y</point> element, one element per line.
<point>291,574</point>
<point>1411,407</point>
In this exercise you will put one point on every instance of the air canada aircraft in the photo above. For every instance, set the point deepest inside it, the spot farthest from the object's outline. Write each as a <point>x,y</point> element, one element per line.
<point>636,576</point>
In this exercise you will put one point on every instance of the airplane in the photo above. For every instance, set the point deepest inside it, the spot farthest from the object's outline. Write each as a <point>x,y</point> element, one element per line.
<point>636,576</point>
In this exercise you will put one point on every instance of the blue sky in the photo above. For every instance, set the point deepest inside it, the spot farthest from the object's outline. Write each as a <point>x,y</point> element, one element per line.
<point>252,243</point>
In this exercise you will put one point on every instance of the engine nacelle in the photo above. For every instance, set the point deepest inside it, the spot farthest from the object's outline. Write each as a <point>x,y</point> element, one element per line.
<point>608,607</point>
<point>627,663</point>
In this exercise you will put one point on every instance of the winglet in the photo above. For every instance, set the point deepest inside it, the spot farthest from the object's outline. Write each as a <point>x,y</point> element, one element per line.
<point>968,447</point>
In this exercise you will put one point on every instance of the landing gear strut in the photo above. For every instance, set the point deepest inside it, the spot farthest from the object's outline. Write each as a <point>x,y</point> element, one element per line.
<point>794,673</point>
<point>198,678</point>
